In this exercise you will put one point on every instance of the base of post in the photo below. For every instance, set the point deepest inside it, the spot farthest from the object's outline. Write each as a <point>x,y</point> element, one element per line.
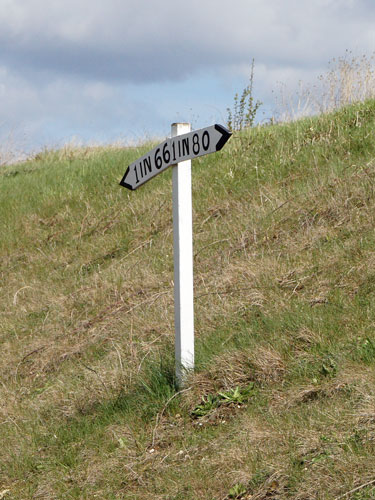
<point>183,374</point>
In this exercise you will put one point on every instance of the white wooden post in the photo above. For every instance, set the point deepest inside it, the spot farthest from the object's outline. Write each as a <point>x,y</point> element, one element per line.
<point>183,262</point>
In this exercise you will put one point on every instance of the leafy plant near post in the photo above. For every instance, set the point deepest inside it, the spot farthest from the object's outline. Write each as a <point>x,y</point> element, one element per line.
<point>238,491</point>
<point>245,108</point>
<point>210,402</point>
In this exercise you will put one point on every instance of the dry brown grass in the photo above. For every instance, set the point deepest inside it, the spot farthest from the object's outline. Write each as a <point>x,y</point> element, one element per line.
<point>349,79</point>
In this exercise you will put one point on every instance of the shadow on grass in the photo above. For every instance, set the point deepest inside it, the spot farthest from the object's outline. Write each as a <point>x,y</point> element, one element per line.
<point>156,385</point>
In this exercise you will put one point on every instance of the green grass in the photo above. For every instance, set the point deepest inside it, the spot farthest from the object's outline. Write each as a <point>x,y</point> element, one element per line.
<point>282,401</point>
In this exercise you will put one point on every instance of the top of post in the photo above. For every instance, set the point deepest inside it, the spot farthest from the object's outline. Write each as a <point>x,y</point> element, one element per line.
<point>180,128</point>
<point>180,123</point>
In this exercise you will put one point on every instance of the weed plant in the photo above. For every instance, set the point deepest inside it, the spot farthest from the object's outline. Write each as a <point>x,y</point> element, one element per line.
<point>245,107</point>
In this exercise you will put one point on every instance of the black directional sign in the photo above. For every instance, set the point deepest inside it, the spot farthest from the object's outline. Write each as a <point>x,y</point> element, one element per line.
<point>174,150</point>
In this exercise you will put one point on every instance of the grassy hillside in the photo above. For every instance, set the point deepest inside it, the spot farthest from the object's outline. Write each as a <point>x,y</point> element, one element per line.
<point>282,403</point>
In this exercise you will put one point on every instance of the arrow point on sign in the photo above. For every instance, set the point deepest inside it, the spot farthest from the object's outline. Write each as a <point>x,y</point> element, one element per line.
<point>225,135</point>
<point>123,180</point>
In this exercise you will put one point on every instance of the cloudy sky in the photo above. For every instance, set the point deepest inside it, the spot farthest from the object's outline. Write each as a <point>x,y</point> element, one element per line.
<point>103,70</point>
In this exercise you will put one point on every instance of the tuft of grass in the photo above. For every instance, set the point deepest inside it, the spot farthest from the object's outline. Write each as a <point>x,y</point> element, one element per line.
<point>349,79</point>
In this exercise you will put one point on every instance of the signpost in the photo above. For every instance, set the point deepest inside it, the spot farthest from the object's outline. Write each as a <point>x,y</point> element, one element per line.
<point>178,151</point>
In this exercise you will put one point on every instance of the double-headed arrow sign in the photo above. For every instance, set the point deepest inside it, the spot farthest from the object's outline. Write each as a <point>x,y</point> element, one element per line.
<point>171,151</point>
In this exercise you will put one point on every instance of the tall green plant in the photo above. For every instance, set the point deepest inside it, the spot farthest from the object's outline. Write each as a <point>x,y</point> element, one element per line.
<point>245,108</point>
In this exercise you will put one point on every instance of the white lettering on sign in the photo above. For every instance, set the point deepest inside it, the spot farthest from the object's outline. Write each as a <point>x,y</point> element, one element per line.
<point>175,150</point>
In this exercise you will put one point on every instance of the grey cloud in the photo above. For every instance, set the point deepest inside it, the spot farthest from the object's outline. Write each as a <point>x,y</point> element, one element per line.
<point>143,42</point>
